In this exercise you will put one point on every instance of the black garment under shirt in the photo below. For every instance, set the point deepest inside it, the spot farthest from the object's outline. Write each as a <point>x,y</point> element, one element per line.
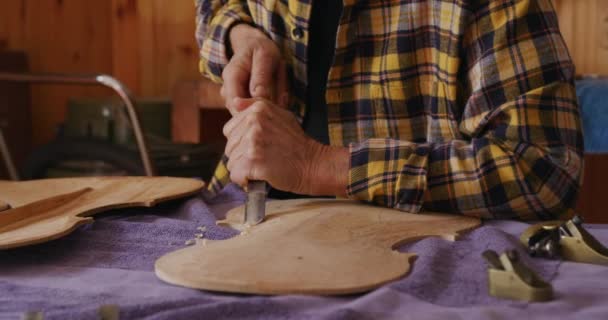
<point>324,20</point>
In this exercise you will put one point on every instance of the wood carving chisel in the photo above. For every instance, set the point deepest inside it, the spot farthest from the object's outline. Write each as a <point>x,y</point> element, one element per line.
<point>255,208</point>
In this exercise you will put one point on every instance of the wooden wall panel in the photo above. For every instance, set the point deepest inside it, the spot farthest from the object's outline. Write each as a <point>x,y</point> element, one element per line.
<point>126,47</point>
<point>15,117</point>
<point>168,46</point>
<point>153,44</point>
<point>584,25</point>
<point>147,44</point>
<point>12,28</point>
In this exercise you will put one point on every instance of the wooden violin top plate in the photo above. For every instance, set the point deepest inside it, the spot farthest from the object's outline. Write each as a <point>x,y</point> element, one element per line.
<point>309,246</point>
<point>43,210</point>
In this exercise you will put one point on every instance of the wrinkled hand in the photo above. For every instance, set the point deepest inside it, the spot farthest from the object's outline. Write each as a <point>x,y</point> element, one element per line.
<point>256,68</point>
<point>265,142</point>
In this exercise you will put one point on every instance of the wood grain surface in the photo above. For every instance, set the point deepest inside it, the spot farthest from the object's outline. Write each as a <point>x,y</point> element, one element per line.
<point>3,205</point>
<point>310,246</point>
<point>43,210</point>
<point>584,26</point>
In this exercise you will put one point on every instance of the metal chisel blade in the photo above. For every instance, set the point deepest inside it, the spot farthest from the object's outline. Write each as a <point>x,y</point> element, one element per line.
<point>255,208</point>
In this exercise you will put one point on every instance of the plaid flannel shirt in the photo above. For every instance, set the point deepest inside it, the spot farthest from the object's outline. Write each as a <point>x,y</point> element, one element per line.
<point>448,105</point>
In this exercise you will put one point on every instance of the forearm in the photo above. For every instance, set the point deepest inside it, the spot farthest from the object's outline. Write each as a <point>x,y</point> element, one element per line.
<point>503,179</point>
<point>484,177</point>
<point>329,172</point>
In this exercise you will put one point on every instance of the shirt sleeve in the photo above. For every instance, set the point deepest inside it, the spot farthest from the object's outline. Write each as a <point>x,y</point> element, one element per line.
<point>214,19</point>
<point>520,155</point>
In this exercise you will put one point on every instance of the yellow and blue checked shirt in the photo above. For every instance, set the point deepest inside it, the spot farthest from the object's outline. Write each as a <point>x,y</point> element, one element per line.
<point>448,105</point>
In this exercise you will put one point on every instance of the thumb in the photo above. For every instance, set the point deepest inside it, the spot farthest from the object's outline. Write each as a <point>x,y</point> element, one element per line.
<point>239,104</point>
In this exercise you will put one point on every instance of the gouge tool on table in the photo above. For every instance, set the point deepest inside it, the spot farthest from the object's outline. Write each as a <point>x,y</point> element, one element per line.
<point>255,207</point>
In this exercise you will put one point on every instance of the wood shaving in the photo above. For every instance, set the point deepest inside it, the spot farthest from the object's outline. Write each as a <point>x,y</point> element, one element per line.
<point>201,242</point>
<point>190,242</point>
<point>202,228</point>
<point>245,230</point>
<point>199,235</point>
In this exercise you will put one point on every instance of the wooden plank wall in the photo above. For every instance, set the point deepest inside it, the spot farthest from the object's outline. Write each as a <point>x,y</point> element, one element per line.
<point>147,44</point>
<point>584,25</point>
<point>153,44</point>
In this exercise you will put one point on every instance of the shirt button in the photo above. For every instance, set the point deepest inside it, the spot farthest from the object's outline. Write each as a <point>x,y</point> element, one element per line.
<point>297,33</point>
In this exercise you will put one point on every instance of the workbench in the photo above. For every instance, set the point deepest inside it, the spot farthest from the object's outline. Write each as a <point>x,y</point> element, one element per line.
<point>111,262</point>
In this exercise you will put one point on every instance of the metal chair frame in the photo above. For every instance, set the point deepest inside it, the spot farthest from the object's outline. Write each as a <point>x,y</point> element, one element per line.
<point>100,79</point>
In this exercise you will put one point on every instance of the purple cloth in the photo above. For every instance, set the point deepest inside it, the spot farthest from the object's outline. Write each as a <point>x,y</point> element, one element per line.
<point>111,262</point>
